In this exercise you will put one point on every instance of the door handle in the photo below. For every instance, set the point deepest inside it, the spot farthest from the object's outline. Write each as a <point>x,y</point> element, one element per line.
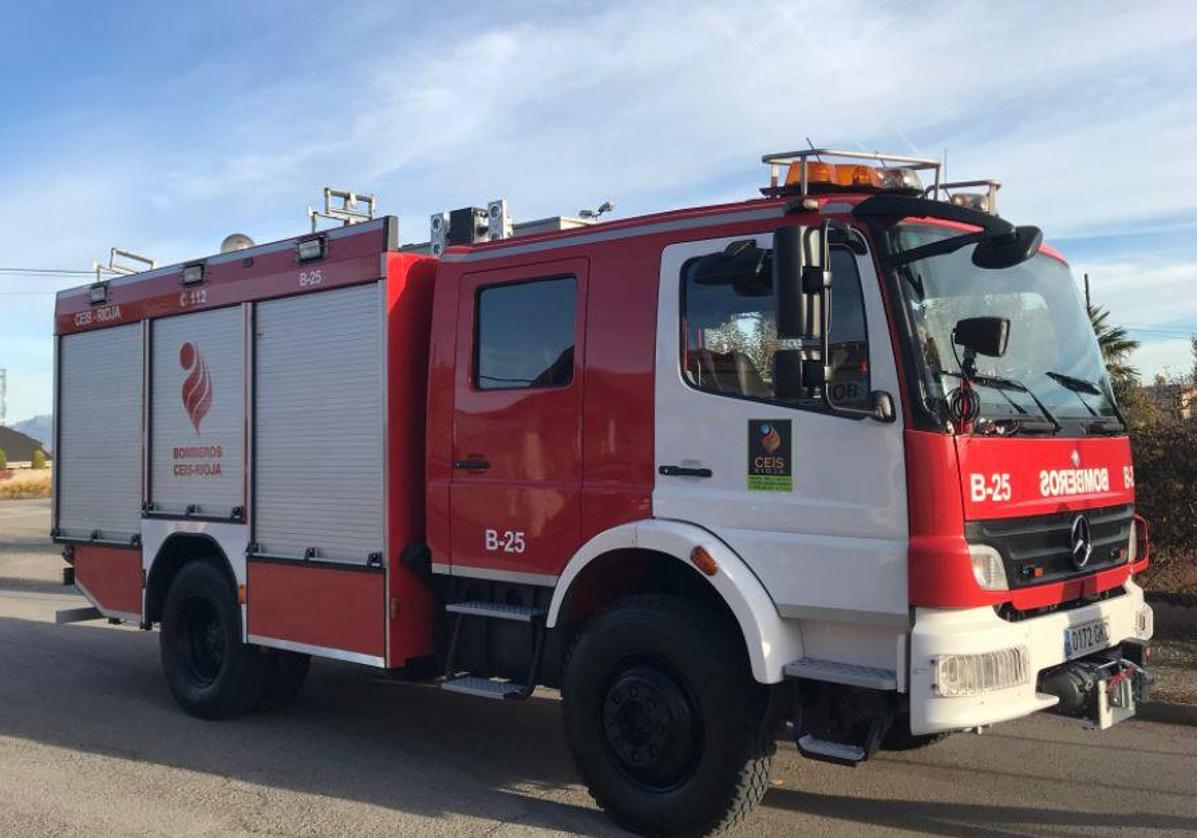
<point>684,471</point>
<point>472,464</point>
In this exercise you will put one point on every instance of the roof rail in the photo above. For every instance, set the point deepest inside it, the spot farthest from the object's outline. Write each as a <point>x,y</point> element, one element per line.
<point>119,269</point>
<point>347,211</point>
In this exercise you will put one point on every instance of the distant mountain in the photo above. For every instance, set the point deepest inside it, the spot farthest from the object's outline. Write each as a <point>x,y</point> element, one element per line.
<point>38,427</point>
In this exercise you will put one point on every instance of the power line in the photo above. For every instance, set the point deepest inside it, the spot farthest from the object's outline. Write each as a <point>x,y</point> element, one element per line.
<point>51,271</point>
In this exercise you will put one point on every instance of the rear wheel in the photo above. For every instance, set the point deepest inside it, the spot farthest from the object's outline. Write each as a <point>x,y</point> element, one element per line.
<point>285,674</point>
<point>211,673</point>
<point>664,719</point>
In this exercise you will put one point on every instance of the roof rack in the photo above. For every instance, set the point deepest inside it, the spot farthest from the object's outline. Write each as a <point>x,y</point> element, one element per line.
<point>788,158</point>
<point>473,225</point>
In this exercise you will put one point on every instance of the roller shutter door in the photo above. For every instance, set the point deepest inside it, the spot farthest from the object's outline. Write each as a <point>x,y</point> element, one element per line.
<point>98,455</point>
<point>197,412</point>
<point>319,425</point>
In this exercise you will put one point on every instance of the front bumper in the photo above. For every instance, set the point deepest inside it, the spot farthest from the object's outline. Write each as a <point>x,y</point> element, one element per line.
<point>942,631</point>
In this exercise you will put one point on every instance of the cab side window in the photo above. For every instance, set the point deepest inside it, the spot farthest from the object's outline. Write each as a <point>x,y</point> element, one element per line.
<point>730,336</point>
<point>524,335</point>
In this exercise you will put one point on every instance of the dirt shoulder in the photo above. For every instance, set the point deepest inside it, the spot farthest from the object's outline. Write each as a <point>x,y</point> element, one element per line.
<point>1174,665</point>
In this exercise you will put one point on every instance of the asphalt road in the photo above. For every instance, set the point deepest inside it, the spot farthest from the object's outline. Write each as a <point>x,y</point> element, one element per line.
<point>92,744</point>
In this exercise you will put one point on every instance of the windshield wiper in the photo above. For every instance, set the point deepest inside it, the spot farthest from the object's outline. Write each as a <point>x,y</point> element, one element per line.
<point>1080,385</point>
<point>1000,384</point>
<point>1076,385</point>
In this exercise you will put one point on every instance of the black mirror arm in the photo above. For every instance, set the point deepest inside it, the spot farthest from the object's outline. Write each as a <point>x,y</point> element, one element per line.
<point>937,248</point>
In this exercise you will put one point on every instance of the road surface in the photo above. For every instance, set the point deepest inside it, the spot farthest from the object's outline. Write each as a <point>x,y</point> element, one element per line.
<point>92,744</point>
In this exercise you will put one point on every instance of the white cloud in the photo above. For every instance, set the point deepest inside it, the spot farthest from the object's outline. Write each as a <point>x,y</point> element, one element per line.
<point>651,105</point>
<point>1170,358</point>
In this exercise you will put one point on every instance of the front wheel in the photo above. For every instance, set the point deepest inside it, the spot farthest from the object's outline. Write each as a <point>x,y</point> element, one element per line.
<point>211,673</point>
<point>664,719</point>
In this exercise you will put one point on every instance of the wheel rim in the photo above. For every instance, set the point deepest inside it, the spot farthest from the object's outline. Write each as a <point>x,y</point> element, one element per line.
<point>651,727</point>
<point>202,641</point>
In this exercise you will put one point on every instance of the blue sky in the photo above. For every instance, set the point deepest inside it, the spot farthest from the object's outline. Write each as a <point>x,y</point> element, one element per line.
<point>163,128</point>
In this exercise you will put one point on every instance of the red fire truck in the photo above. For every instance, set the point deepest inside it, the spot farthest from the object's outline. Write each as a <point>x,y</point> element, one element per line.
<point>842,457</point>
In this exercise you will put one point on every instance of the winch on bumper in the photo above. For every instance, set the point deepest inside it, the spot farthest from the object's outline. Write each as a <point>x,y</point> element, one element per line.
<point>970,667</point>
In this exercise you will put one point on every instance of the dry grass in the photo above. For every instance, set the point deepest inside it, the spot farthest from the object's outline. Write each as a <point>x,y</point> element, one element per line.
<point>21,484</point>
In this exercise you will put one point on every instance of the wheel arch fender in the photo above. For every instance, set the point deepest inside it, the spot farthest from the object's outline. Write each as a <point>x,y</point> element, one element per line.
<point>174,552</point>
<point>770,641</point>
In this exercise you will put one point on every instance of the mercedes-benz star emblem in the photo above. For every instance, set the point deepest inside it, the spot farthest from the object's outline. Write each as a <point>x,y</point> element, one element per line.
<point>1082,541</point>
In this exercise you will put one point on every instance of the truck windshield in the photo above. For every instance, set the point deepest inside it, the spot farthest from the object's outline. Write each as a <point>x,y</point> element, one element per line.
<point>1052,352</point>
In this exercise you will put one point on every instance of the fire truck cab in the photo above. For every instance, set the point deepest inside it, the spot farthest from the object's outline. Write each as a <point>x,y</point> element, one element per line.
<point>844,456</point>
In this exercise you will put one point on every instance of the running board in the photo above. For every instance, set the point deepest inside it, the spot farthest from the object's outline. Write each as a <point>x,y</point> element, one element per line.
<point>77,615</point>
<point>849,674</point>
<point>497,611</point>
<point>485,688</point>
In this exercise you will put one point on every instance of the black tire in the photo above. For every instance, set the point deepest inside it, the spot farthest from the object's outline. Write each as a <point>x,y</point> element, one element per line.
<point>664,720</point>
<point>285,674</point>
<point>211,673</point>
<point>899,737</point>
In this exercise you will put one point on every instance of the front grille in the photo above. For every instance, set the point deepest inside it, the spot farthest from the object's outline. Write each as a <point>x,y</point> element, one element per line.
<point>1039,549</point>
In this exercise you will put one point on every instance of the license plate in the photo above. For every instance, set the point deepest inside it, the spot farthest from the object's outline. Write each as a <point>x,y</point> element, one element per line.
<point>1083,638</point>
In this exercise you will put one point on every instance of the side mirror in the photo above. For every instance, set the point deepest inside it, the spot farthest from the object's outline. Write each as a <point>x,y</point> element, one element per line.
<point>1006,251</point>
<point>801,282</point>
<point>881,408</point>
<point>983,335</point>
<point>802,296</point>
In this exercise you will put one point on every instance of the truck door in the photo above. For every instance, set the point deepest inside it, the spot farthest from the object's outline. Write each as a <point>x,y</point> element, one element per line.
<point>812,500</point>
<point>517,433</point>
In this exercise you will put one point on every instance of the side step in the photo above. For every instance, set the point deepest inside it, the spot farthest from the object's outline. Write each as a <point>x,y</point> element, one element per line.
<point>839,753</point>
<point>474,685</point>
<point>497,611</point>
<point>77,615</point>
<point>484,687</point>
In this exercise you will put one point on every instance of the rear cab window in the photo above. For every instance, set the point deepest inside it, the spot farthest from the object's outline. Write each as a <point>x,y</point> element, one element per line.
<point>524,335</point>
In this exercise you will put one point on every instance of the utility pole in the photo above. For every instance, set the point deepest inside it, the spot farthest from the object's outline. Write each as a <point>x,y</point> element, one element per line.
<point>1088,304</point>
<point>3,397</point>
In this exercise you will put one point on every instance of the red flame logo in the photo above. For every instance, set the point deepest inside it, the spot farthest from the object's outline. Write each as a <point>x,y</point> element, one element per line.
<point>197,388</point>
<point>770,439</point>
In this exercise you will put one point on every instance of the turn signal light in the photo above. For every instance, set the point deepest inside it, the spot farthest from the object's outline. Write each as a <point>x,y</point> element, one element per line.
<point>988,569</point>
<point>703,561</point>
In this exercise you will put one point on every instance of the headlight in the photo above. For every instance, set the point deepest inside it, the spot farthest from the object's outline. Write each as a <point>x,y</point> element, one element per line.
<point>988,569</point>
<point>957,675</point>
<point>1132,549</point>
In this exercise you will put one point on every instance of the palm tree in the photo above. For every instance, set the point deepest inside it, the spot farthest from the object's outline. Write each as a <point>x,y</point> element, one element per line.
<point>1114,342</point>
